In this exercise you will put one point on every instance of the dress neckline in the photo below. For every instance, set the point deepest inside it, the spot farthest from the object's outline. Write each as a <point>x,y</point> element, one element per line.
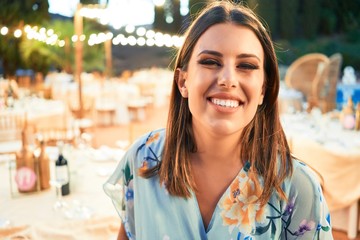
<point>244,169</point>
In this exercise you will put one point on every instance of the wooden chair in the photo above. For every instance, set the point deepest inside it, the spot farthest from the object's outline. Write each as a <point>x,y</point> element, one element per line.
<point>324,86</point>
<point>11,125</point>
<point>88,106</point>
<point>85,120</point>
<point>302,73</point>
<point>52,136</point>
<point>105,107</point>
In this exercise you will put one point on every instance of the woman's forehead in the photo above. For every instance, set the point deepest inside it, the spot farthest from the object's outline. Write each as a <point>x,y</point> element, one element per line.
<point>230,38</point>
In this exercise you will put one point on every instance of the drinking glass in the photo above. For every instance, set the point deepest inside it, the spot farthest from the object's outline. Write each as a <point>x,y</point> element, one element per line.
<point>60,204</point>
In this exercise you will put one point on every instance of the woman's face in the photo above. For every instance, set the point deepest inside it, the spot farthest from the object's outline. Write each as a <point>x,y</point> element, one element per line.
<point>224,79</point>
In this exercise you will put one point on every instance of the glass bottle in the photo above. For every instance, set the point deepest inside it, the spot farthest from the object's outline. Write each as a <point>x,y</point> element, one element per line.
<point>357,117</point>
<point>62,171</point>
<point>44,167</point>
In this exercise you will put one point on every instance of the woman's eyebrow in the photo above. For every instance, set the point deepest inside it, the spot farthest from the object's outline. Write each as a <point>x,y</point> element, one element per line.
<point>242,55</point>
<point>211,52</point>
<point>248,55</point>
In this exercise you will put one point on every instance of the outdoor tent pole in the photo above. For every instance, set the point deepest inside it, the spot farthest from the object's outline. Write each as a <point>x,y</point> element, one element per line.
<point>78,25</point>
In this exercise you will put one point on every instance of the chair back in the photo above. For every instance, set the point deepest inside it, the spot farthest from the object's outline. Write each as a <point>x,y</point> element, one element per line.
<point>88,106</point>
<point>324,86</point>
<point>11,125</point>
<point>52,136</point>
<point>303,71</point>
<point>336,61</point>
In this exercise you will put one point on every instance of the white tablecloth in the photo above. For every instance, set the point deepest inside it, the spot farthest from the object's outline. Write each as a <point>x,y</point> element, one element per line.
<point>89,170</point>
<point>334,153</point>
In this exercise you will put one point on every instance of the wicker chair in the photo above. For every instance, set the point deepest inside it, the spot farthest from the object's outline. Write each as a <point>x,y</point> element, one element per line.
<point>324,86</point>
<point>302,73</point>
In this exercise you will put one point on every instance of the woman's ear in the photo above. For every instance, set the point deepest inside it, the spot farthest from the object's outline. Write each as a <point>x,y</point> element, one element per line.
<point>181,82</point>
<point>261,99</point>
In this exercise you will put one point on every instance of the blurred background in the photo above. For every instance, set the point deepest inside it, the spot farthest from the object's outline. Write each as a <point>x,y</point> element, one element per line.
<point>298,27</point>
<point>92,76</point>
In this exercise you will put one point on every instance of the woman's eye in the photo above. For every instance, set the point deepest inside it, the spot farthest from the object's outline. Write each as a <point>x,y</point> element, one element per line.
<point>248,66</point>
<point>209,62</point>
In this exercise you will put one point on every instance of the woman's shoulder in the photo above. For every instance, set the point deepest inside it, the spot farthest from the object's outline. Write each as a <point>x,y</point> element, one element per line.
<point>148,146</point>
<point>304,177</point>
<point>303,169</point>
<point>153,139</point>
<point>144,152</point>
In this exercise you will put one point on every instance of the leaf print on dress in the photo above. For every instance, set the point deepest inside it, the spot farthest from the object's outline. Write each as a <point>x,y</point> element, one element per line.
<point>239,207</point>
<point>150,160</point>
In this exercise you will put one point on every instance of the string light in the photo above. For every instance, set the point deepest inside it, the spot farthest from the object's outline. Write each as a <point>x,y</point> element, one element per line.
<point>136,36</point>
<point>17,33</point>
<point>4,30</point>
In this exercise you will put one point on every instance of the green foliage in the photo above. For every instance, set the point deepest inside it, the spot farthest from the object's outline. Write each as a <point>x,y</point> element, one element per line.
<point>15,14</point>
<point>328,21</point>
<point>176,25</point>
<point>195,7</point>
<point>310,18</point>
<point>159,21</point>
<point>288,18</point>
<point>26,11</point>
<point>9,52</point>
<point>289,51</point>
<point>38,56</point>
<point>171,8</point>
<point>41,57</point>
<point>269,12</point>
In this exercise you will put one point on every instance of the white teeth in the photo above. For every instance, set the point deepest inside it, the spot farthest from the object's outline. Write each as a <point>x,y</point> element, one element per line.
<point>225,102</point>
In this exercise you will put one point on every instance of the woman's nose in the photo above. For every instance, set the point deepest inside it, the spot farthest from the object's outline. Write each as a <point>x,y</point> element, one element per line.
<point>227,78</point>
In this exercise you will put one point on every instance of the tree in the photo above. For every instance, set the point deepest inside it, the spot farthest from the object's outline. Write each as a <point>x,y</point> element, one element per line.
<point>14,14</point>
<point>159,19</point>
<point>177,23</point>
<point>195,6</point>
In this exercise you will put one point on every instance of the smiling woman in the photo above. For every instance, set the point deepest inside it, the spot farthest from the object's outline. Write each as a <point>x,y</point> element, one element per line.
<point>222,167</point>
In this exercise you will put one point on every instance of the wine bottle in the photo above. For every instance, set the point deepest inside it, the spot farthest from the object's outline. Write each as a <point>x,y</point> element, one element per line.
<point>44,167</point>
<point>62,172</point>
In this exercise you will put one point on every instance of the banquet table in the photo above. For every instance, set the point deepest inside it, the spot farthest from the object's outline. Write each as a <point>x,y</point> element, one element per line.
<point>40,114</point>
<point>32,215</point>
<point>321,142</point>
<point>43,113</point>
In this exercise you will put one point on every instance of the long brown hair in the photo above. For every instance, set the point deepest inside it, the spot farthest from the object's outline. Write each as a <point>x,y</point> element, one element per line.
<point>263,141</point>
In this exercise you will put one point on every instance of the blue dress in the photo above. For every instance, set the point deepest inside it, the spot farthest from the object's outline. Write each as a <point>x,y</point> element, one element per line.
<point>148,211</point>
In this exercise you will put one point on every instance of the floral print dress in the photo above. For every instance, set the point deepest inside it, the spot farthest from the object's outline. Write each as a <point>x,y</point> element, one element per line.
<point>148,211</point>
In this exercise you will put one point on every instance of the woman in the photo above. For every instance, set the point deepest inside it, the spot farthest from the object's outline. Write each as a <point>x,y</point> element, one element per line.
<point>222,169</point>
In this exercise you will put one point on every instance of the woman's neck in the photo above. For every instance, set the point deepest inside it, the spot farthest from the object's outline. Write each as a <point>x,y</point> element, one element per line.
<point>214,149</point>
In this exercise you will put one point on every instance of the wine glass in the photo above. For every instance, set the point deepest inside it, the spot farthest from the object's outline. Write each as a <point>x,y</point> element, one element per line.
<point>60,204</point>
<point>77,210</point>
<point>73,210</point>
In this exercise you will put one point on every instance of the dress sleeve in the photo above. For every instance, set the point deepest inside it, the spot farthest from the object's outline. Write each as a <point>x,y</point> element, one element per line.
<point>119,187</point>
<point>306,212</point>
